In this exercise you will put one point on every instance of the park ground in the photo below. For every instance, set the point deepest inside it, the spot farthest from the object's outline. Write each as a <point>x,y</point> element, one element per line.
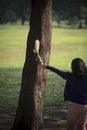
<point>55,120</point>
<point>66,44</point>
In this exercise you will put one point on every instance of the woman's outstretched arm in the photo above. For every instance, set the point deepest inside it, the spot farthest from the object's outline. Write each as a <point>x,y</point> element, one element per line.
<point>63,74</point>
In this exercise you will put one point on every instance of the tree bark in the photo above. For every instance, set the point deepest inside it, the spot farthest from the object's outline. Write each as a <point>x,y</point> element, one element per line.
<point>29,115</point>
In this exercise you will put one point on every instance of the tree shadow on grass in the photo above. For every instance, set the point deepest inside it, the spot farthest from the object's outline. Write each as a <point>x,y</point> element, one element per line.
<point>55,119</point>
<point>10,82</point>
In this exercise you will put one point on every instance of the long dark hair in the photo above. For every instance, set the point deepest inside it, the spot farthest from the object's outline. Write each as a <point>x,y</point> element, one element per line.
<point>79,67</point>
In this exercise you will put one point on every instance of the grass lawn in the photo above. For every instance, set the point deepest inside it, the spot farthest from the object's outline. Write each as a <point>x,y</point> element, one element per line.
<point>66,45</point>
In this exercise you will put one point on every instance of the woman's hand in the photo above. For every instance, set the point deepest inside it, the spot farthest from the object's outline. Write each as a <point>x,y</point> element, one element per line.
<point>44,66</point>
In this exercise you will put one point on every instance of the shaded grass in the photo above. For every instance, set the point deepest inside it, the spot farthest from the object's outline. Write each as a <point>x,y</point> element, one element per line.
<point>54,90</point>
<point>66,45</point>
<point>10,80</point>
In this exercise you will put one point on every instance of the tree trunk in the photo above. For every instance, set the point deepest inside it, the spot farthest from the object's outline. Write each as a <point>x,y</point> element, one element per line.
<point>29,115</point>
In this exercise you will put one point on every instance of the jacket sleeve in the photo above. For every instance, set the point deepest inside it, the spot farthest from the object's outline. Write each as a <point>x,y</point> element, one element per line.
<point>64,75</point>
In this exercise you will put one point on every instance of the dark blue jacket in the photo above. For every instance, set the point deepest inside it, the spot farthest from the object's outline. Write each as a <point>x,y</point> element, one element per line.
<point>75,87</point>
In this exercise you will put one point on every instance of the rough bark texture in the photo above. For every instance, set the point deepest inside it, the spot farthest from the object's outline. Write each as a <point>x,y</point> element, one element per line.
<point>29,115</point>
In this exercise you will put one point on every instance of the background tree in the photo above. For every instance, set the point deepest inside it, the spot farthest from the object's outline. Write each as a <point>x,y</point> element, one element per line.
<point>29,115</point>
<point>84,15</point>
<point>69,11</point>
<point>24,10</point>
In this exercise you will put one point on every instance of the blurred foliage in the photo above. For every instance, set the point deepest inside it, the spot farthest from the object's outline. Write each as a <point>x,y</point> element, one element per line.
<point>71,11</point>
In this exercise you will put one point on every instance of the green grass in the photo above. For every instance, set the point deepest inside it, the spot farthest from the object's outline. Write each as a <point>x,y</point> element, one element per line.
<point>66,45</point>
<point>12,45</point>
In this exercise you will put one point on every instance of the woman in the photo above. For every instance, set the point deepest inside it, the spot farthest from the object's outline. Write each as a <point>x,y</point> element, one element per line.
<point>75,93</point>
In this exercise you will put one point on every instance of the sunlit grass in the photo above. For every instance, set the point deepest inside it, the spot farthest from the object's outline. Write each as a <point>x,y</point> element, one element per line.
<point>68,44</point>
<point>12,45</point>
<point>69,36</point>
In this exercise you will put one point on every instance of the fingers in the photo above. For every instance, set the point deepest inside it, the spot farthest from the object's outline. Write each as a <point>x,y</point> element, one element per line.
<point>44,66</point>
